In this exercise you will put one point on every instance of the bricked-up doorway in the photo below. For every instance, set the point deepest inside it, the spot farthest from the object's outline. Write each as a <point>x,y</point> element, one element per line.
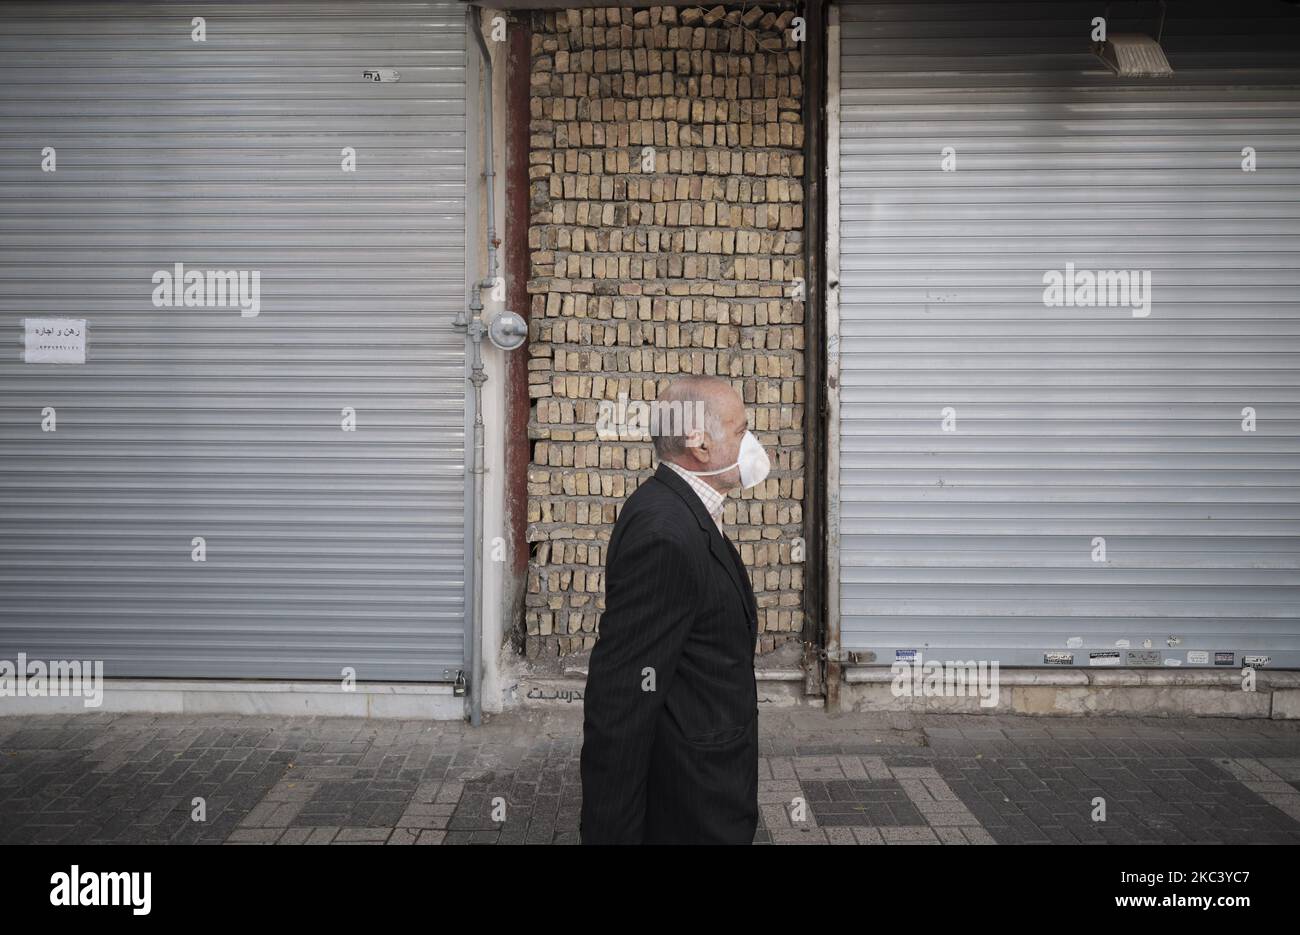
<point>667,235</point>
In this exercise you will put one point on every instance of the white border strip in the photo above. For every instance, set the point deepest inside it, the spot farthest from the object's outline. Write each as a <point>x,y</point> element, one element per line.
<point>833,332</point>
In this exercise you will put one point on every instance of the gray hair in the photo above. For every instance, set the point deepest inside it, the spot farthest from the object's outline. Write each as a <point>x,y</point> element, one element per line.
<point>685,406</point>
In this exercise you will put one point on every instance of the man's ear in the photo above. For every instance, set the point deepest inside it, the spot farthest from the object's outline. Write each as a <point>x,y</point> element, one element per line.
<point>697,441</point>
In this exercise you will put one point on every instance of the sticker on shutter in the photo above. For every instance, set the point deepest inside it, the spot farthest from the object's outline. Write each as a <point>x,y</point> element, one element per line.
<point>54,340</point>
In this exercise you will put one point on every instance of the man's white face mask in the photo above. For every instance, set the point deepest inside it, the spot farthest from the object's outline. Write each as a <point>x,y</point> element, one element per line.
<point>752,461</point>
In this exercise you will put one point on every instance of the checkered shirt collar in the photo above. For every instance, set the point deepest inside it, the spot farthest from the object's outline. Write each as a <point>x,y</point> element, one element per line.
<point>713,500</point>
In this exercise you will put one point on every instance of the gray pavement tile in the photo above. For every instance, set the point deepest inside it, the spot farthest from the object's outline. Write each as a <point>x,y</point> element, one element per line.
<point>875,778</point>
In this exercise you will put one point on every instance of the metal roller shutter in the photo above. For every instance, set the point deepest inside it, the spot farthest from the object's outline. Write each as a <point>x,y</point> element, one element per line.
<point>325,548</point>
<point>1071,422</point>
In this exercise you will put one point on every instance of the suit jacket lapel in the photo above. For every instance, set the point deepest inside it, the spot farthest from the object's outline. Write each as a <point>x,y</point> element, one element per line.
<point>721,549</point>
<point>751,605</point>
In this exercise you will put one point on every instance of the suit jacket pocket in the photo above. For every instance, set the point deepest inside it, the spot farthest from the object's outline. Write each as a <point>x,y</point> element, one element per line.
<point>722,736</point>
<point>718,737</point>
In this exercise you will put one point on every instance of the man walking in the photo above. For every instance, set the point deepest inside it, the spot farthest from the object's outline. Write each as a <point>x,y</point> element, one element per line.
<point>670,730</point>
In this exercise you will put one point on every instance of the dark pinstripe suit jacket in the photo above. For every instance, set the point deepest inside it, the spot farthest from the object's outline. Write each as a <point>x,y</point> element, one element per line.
<point>679,764</point>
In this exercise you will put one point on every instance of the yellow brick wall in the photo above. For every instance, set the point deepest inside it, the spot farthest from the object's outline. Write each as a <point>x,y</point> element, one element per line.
<point>693,267</point>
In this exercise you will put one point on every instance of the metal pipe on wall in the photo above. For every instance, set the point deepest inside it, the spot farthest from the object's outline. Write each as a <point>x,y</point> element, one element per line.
<point>489,156</point>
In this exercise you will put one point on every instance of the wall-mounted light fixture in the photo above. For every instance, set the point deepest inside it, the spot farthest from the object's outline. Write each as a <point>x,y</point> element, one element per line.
<point>1135,55</point>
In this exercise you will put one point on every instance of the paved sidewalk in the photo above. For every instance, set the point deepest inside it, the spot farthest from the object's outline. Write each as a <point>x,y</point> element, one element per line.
<point>841,779</point>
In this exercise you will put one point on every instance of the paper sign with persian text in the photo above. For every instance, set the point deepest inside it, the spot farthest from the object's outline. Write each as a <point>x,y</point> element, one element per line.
<point>55,341</point>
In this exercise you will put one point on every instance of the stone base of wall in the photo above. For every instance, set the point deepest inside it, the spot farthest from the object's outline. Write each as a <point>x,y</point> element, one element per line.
<point>1132,692</point>
<point>542,691</point>
<point>401,700</point>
